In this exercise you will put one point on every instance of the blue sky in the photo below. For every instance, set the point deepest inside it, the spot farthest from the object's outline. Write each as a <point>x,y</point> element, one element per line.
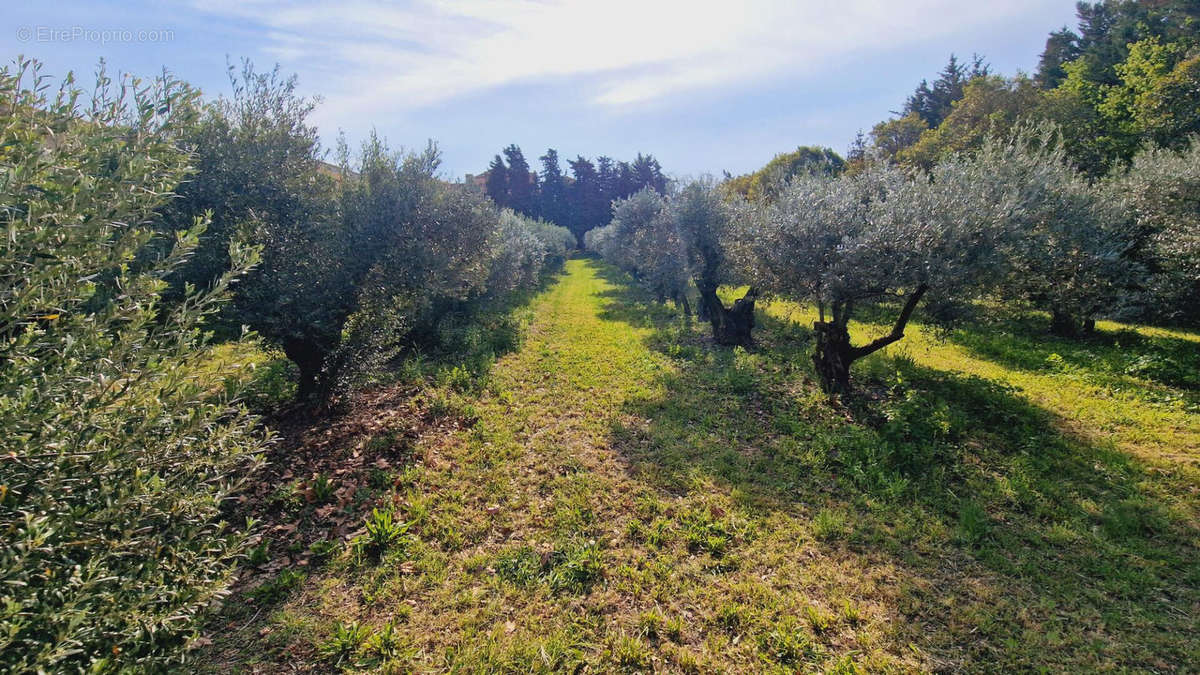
<point>703,86</point>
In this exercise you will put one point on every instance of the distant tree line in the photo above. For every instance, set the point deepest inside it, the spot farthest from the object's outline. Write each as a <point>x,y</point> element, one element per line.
<point>579,201</point>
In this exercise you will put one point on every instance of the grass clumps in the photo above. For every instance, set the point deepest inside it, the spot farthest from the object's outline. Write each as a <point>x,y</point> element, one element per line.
<point>574,566</point>
<point>787,642</point>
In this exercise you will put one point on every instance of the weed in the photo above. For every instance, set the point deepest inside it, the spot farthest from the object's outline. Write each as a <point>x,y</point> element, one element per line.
<point>322,549</point>
<point>260,554</point>
<point>441,406</point>
<point>385,642</point>
<point>577,567</point>
<point>520,566</point>
<point>733,617</point>
<point>818,620</point>
<point>343,641</point>
<point>652,624</point>
<point>320,489</point>
<point>574,567</point>
<point>631,654</point>
<point>851,613</point>
<point>383,532</point>
<point>708,530</point>
<point>973,523</point>
<point>287,498</point>
<point>673,628</point>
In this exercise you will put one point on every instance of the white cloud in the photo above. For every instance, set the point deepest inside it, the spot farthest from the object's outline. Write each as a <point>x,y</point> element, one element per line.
<point>379,54</point>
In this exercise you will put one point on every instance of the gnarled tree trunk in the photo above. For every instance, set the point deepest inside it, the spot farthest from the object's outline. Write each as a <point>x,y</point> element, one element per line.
<point>309,358</point>
<point>731,326</point>
<point>834,354</point>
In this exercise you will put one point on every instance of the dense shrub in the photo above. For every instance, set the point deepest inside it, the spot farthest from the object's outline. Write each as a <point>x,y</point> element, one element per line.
<point>123,436</point>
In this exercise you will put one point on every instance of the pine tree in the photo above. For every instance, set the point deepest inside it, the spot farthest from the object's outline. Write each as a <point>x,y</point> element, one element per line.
<point>608,178</point>
<point>626,182</point>
<point>585,196</point>
<point>932,103</point>
<point>521,184</point>
<point>648,173</point>
<point>497,181</point>
<point>552,198</point>
<point>1061,47</point>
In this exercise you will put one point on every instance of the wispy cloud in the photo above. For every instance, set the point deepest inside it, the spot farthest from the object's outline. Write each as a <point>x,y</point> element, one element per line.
<point>627,52</point>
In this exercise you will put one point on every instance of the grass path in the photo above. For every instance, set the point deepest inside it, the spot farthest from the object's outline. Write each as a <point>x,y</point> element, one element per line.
<point>629,498</point>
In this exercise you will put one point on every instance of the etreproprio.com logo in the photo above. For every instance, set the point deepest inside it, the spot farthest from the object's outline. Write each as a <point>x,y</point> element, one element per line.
<point>96,35</point>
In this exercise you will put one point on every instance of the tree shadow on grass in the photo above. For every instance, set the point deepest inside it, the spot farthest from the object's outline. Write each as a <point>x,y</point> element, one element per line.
<point>960,481</point>
<point>1108,355</point>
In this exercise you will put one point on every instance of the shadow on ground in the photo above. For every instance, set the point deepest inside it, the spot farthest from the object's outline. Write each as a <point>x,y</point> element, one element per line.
<point>1024,343</point>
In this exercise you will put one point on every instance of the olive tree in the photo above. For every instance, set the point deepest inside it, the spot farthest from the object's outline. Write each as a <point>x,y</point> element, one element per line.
<point>618,241</point>
<point>123,436</point>
<point>256,159</point>
<point>1162,190</point>
<point>404,255</point>
<point>704,223</point>
<point>399,241</point>
<point>874,237</point>
<point>643,240</point>
<point>1068,246</point>
<point>518,254</point>
<point>557,243</point>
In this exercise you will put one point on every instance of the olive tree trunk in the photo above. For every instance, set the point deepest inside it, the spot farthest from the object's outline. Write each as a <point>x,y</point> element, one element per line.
<point>731,326</point>
<point>309,359</point>
<point>834,354</point>
<point>681,301</point>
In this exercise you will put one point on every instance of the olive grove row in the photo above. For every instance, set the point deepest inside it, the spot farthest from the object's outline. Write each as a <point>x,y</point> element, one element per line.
<point>142,224</point>
<point>1012,223</point>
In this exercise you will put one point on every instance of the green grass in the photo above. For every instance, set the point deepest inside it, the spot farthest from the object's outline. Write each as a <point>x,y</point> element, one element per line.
<point>630,498</point>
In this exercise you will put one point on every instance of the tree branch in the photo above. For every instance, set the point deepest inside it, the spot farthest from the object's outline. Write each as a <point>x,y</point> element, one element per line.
<point>897,330</point>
